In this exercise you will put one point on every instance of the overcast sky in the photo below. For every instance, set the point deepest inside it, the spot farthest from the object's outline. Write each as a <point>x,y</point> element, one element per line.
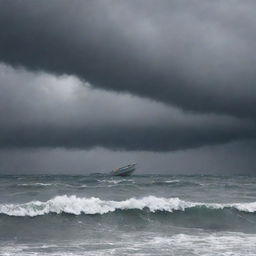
<point>86,86</point>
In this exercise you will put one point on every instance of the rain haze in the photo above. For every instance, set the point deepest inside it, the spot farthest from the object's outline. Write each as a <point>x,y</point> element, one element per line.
<point>87,86</point>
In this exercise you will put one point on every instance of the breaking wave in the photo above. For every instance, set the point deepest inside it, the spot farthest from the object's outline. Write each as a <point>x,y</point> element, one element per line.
<point>77,206</point>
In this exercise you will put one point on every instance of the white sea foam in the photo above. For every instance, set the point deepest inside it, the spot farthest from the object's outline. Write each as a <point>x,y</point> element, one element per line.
<point>172,181</point>
<point>227,244</point>
<point>75,205</point>
<point>34,184</point>
<point>116,181</point>
<point>203,244</point>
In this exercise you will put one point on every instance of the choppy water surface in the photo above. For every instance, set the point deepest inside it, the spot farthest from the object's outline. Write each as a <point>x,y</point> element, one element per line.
<point>138,215</point>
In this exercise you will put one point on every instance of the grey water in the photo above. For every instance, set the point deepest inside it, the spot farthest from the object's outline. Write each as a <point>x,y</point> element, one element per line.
<point>136,215</point>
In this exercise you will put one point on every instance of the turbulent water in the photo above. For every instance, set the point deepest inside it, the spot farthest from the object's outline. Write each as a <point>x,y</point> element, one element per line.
<point>137,215</point>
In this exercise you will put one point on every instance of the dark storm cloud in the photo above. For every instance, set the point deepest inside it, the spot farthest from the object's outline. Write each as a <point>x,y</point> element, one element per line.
<point>52,111</point>
<point>197,55</point>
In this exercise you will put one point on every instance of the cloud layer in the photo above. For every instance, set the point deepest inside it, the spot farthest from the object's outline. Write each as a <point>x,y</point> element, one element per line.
<point>197,55</point>
<point>42,110</point>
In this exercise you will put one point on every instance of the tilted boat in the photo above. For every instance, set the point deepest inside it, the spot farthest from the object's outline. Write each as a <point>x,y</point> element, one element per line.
<point>124,171</point>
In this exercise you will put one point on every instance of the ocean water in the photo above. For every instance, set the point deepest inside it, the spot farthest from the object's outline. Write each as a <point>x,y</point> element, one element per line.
<point>137,215</point>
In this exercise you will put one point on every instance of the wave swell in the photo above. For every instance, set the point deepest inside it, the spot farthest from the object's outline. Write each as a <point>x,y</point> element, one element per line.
<point>77,206</point>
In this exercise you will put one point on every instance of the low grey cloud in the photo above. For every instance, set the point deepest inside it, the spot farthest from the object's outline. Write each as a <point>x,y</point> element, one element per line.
<point>197,55</point>
<point>41,110</point>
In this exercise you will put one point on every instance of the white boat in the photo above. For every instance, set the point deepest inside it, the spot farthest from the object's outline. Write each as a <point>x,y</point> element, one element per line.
<point>124,171</point>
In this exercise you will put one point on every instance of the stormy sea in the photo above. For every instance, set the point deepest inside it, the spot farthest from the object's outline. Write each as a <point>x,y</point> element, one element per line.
<point>136,215</point>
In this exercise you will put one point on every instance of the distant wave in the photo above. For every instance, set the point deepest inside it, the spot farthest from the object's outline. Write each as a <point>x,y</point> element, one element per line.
<point>172,181</point>
<point>51,184</point>
<point>176,183</point>
<point>116,181</point>
<point>76,206</point>
<point>166,182</point>
<point>34,184</point>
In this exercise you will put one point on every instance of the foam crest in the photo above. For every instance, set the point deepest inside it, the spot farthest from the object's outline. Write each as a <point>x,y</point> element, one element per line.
<point>75,205</point>
<point>172,181</point>
<point>116,181</point>
<point>34,184</point>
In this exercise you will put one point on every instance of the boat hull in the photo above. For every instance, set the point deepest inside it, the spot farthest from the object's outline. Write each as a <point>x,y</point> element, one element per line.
<point>127,171</point>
